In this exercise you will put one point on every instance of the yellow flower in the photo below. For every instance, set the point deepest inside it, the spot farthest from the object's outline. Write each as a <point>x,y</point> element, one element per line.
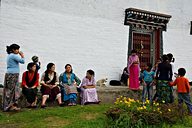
<point>163,101</point>
<point>169,110</point>
<point>147,101</point>
<point>126,102</point>
<point>140,108</point>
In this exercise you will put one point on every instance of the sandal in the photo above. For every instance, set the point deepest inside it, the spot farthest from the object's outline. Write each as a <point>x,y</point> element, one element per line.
<point>70,104</point>
<point>43,106</point>
<point>74,104</point>
<point>14,108</point>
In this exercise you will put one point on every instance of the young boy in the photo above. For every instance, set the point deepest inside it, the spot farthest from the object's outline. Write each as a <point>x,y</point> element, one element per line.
<point>148,77</point>
<point>183,89</point>
<point>35,60</point>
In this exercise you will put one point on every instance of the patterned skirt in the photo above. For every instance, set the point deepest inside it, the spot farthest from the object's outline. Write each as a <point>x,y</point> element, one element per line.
<point>11,90</point>
<point>164,92</point>
<point>69,93</point>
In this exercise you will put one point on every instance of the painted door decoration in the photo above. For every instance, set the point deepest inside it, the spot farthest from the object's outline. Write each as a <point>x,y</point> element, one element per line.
<point>141,43</point>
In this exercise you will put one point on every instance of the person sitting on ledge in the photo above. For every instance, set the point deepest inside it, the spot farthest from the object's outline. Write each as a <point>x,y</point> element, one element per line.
<point>124,76</point>
<point>49,88</point>
<point>69,82</point>
<point>30,82</point>
<point>88,91</point>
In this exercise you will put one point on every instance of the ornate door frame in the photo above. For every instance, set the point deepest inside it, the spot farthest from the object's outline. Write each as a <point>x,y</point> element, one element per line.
<point>146,22</point>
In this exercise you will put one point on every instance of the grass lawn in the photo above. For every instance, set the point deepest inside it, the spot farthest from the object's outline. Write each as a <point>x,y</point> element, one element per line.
<point>90,116</point>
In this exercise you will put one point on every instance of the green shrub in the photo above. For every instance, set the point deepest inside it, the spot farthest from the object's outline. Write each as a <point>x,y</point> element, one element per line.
<point>132,113</point>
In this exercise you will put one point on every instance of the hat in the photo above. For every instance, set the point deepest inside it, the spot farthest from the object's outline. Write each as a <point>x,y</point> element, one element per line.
<point>35,58</point>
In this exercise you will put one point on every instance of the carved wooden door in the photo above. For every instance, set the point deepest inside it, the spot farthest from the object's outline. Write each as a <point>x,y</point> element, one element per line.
<point>141,43</point>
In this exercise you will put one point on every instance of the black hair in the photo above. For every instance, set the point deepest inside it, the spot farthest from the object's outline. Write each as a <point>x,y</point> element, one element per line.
<point>91,72</point>
<point>70,66</point>
<point>181,71</point>
<point>49,65</point>
<point>133,51</point>
<point>11,48</point>
<point>164,58</point>
<point>30,65</point>
<point>170,57</point>
<point>159,59</point>
<point>149,65</point>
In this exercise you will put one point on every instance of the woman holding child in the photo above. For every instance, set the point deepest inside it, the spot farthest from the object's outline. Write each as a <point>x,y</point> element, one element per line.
<point>69,82</point>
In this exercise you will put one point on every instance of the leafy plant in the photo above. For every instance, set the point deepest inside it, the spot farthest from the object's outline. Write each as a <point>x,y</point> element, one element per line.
<point>135,114</point>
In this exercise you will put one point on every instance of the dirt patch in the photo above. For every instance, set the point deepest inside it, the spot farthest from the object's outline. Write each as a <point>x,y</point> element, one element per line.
<point>56,122</point>
<point>9,125</point>
<point>89,116</point>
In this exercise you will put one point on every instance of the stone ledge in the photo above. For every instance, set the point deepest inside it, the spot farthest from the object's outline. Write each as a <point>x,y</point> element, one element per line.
<point>106,94</point>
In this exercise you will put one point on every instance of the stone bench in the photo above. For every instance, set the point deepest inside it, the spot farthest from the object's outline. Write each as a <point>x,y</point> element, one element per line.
<point>106,94</point>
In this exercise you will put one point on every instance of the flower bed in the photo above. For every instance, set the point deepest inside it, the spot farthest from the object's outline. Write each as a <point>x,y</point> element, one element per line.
<point>133,113</point>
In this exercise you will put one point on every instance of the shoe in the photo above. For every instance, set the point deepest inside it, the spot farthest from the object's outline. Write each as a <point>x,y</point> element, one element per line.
<point>62,104</point>
<point>98,102</point>
<point>29,106</point>
<point>43,106</point>
<point>35,106</point>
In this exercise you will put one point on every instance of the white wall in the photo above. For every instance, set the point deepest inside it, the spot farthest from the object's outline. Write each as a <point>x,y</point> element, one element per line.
<point>89,34</point>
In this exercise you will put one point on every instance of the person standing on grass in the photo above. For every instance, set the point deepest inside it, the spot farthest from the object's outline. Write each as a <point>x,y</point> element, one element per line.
<point>148,77</point>
<point>183,89</point>
<point>163,75</point>
<point>88,91</point>
<point>69,82</point>
<point>11,90</point>
<point>49,88</point>
<point>133,70</point>
<point>30,82</point>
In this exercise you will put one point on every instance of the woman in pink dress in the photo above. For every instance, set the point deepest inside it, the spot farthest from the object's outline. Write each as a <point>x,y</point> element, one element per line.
<point>133,70</point>
<point>88,91</point>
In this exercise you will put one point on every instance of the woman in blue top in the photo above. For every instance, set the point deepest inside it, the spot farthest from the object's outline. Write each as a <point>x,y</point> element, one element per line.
<point>11,82</point>
<point>69,82</point>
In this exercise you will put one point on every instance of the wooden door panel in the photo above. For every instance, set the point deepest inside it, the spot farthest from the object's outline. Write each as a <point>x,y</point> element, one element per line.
<point>141,43</point>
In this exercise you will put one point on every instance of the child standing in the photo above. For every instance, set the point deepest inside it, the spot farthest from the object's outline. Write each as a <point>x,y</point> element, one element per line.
<point>183,89</point>
<point>148,77</point>
<point>35,60</point>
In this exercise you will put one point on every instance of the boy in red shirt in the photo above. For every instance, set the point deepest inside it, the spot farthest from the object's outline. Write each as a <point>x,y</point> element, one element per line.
<point>183,89</point>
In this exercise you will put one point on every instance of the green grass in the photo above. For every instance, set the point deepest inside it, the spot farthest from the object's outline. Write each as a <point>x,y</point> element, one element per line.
<point>90,116</point>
